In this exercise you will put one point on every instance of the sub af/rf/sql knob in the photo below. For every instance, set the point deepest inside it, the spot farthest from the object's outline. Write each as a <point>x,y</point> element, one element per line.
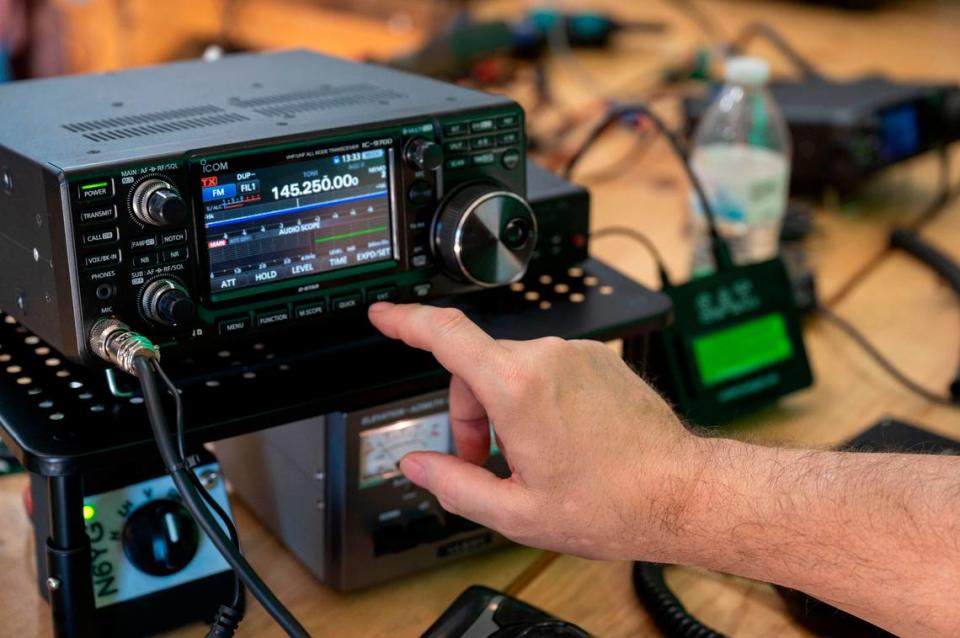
<point>486,235</point>
<point>167,302</point>
<point>156,202</point>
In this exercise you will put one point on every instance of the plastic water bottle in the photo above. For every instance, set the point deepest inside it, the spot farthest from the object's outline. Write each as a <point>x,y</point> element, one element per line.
<point>741,153</point>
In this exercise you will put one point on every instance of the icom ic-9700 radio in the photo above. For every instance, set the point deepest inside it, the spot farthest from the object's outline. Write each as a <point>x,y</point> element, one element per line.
<point>201,201</point>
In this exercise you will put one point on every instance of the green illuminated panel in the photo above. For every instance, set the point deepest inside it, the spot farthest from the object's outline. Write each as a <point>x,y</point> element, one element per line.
<point>742,349</point>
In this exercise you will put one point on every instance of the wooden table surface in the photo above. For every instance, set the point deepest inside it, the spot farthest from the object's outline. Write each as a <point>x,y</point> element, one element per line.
<point>889,296</point>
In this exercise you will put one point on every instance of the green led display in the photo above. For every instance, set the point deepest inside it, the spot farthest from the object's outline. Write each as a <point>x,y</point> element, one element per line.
<point>742,349</point>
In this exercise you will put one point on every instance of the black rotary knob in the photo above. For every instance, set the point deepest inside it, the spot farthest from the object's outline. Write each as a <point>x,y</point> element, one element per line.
<point>485,235</point>
<point>156,202</point>
<point>167,302</point>
<point>424,154</point>
<point>160,538</point>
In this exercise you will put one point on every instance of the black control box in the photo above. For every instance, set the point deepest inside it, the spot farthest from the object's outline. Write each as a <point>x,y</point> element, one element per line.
<point>206,201</point>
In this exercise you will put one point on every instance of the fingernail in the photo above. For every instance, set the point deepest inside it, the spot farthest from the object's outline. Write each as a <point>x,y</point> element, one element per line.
<point>413,470</point>
<point>380,306</point>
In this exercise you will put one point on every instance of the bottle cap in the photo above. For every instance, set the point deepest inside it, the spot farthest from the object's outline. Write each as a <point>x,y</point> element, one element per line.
<point>747,70</point>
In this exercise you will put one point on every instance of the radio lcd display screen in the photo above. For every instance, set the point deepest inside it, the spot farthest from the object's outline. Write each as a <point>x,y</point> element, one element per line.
<point>271,223</point>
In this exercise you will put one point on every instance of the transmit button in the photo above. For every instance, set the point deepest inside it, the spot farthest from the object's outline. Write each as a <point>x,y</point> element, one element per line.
<point>94,189</point>
<point>233,326</point>
<point>352,301</point>
<point>100,236</point>
<point>99,214</point>
<point>273,317</point>
<point>174,237</point>
<point>100,260</point>
<point>382,294</point>
<point>311,310</point>
<point>174,255</point>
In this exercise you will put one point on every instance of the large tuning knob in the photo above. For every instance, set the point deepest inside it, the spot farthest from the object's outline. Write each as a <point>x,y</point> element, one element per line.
<point>160,538</point>
<point>156,202</point>
<point>485,235</point>
<point>167,302</point>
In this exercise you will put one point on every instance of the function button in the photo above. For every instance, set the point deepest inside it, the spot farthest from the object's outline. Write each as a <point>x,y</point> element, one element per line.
<point>101,214</point>
<point>94,189</point>
<point>100,236</point>
<point>143,243</point>
<point>273,317</point>
<point>420,261</point>
<point>511,159</point>
<point>110,258</point>
<point>457,146</point>
<point>456,162</point>
<point>420,193</point>
<point>422,290</point>
<point>505,139</point>
<point>482,126</point>
<point>388,293</point>
<point>310,310</point>
<point>174,255</point>
<point>484,159</point>
<point>353,301</point>
<point>508,121</point>
<point>145,260</point>
<point>174,237</point>
<point>234,325</point>
<point>485,141</point>
<point>453,130</point>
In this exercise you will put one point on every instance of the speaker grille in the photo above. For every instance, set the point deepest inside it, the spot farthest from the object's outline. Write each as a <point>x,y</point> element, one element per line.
<point>156,123</point>
<point>322,98</point>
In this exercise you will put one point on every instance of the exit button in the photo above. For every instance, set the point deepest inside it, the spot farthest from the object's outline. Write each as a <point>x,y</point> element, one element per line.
<point>93,189</point>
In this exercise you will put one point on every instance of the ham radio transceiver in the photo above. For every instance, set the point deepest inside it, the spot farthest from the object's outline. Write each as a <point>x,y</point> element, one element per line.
<point>201,202</point>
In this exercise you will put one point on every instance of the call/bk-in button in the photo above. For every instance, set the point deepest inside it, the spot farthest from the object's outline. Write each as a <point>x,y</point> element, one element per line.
<point>223,191</point>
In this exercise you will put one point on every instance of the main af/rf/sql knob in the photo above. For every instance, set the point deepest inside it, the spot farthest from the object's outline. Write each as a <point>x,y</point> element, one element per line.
<point>160,538</point>
<point>156,202</point>
<point>486,235</point>
<point>167,302</point>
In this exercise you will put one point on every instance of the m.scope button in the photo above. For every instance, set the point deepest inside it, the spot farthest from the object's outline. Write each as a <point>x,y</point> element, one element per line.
<point>100,260</point>
<point>352,301</point>
<point>273,317</point>
<point>94,189</point>
<point>310,310</point>
<point>233,326</point>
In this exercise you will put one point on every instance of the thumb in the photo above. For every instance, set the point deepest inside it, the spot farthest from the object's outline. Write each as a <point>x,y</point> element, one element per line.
<point>462,488</point>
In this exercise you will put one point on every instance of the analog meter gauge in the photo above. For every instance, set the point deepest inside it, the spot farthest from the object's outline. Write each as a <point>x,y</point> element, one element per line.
<point>382,448</point>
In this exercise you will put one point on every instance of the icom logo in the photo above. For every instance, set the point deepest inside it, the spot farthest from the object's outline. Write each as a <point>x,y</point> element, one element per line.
<point>214,167</point>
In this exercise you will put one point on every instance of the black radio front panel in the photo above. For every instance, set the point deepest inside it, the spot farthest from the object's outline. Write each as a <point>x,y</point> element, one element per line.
<point>248,238</point>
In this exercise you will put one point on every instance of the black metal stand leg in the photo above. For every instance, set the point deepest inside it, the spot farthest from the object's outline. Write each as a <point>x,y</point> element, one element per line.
<point>69,580</point>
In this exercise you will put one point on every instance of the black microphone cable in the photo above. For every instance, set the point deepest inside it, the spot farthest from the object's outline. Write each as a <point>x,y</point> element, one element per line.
<point>116,343</point>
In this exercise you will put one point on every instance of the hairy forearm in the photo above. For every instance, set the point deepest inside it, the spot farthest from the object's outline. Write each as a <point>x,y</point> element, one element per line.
<point>875,534</point>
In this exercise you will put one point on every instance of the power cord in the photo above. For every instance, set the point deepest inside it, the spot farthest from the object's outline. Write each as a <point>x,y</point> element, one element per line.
<point>719,248</point>
<point>116,343</point>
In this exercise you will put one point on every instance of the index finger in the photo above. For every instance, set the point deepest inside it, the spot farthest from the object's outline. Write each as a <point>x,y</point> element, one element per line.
<point>457,343</point>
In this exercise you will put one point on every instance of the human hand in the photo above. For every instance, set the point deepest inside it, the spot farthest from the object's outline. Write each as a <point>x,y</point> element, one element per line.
<point>601,466</point>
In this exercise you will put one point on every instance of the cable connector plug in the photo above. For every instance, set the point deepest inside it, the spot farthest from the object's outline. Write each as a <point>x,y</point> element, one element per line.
<point>226,623</point>
<point>115,342</point>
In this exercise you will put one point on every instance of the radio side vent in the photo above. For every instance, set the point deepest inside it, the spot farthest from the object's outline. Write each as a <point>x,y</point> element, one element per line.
<point>321,98</point>
<point>156,123</point>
